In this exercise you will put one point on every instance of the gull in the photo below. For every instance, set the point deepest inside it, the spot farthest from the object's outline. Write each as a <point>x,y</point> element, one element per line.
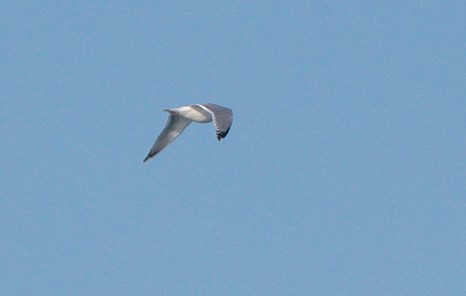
<point>179,118</point>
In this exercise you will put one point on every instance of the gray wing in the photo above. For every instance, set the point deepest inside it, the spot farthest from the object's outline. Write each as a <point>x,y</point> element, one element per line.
<point>174,127</point>
<point>222,118</point>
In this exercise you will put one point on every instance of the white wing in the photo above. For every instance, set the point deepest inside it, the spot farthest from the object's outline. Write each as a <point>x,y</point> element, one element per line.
<point>174,127</point>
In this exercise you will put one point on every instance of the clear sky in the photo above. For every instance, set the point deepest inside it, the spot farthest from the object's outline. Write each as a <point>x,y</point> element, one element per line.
<point>344,172</point>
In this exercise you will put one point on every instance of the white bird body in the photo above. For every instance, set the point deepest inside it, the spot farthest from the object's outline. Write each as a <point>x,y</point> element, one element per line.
<point>181,117</point>
<point>196,115</point>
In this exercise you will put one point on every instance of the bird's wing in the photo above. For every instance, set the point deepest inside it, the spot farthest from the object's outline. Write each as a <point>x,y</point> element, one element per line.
<point>222,118</point>
<point>174,127</point>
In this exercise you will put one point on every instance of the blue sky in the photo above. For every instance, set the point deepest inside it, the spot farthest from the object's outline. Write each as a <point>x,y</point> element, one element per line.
<point>343,173</point>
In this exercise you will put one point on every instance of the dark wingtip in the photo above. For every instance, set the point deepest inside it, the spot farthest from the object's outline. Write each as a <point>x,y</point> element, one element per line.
<point>147,158</point>
<point>221,135</point>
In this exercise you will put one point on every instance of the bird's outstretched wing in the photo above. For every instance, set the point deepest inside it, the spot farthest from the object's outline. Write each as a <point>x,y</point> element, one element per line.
<point>222,118</point>
<point>174,127</point>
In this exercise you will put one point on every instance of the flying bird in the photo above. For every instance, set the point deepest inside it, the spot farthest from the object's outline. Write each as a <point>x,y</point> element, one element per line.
<point>179,118</point>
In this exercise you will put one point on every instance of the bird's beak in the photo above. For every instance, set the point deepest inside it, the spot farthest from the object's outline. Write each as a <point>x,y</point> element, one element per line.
<point>172,112</point>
